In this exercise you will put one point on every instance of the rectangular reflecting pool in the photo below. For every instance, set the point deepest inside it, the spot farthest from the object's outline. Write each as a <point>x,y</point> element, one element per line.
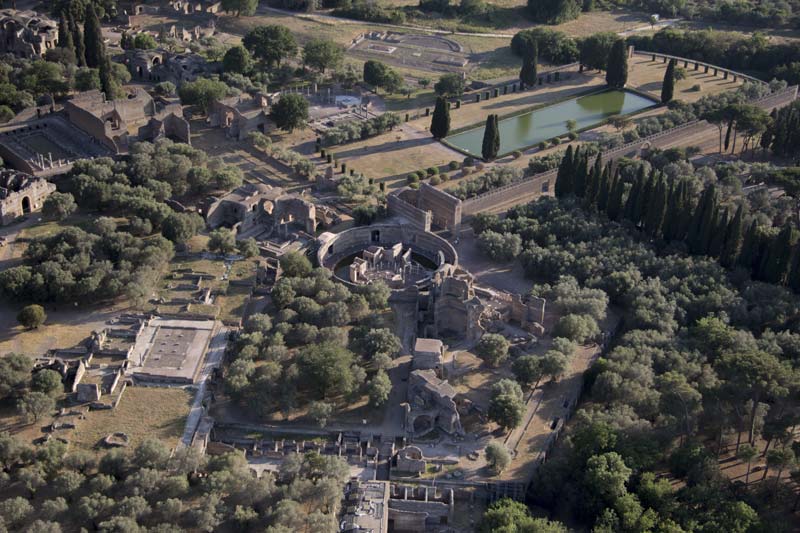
<point>529,129</point>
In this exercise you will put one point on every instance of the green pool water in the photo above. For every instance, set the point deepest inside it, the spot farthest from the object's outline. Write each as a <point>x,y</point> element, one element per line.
<point>526,130</point>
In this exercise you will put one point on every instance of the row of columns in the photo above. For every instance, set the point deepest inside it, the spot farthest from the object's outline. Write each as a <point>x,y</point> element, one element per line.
<point>697,65</point>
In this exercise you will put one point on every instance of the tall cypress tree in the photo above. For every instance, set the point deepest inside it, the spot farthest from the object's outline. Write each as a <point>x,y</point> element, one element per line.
<point>615,201</point>
<point>645,195</point>
<point>703,222</point>
<point>593,181</point>
<point>77,40</point>
<point>581,175</point>
<point>668,86</point>
<point>65,39</point>
<point>605,189</point>
<point>734,237</point>
<point>93,37</point>
<point>440,123</point>
<point>794,272</point>
<point>683,213</point>
<point>630,210</point>
<point>107,84</point>
<point>750,255</point>
<point>529,70</point>
<point>491,138</point>
<point>563,184</point>
<point>717,241</point>
<point>657,208</point>
<point>617,69</point>
<point>777,261</point>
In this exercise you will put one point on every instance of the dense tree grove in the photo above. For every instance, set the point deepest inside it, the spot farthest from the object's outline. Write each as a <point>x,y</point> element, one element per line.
<point>381,76</point>
<point>744,52</point>
<point>553,11</point>
<point>664,208</point>
<point>308,349</point>
<point>112,259</point>
<point>701,354</point>
<point>149,488</point>
<point>553,46</point>
<point>76,266</point>
<point>356,130</point>
<point>782,134</point>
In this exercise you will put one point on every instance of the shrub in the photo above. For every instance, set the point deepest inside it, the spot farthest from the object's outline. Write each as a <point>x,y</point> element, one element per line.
<point>696,88</point>
<point>543,145</point>
<point>556,141</point>
<point>516,154</point>
<point>432,171</point>
<point>444,177</point>
<point>421,175</point>
<point>412,178</point>
<point>497,456</point>
<point>32,316</point>
<point>454,165</point>
<point>578,328</point>
<point>469,161</point>
<point>414,185</point>
<point>479,167</point>
<point>435,180</point>
<point>572,136</point>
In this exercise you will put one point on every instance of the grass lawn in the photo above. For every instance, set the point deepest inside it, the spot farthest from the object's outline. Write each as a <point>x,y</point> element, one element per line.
<point>233,302</point>
<point>143,412</point>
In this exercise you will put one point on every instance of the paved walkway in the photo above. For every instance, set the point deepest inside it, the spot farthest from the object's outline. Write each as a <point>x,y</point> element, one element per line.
<point>214,357</point>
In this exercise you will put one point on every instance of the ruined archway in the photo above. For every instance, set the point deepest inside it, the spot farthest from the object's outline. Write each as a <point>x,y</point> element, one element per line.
<point>26,205</point>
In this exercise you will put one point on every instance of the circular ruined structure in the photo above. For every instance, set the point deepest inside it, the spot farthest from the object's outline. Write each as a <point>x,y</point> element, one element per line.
<point>400,255</point>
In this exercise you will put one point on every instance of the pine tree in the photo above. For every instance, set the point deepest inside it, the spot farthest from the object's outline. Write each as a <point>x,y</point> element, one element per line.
<point>77,40</point>
<point>440,123</point>
<point>734,237</point>
<point>563,184</point>
<point>668,87</point>
<point>491,138</point>
<point>65,39</point>
<point>777,261</point>
<point>615,201</point>
<point>720,226</point>
<point>617,69</point>
<point>529,71</point>
<point>93,37</point>
<point>657,208</point>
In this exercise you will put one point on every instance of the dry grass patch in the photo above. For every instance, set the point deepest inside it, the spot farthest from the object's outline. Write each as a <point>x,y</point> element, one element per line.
<point>143,412</point>
<point>389,157</point>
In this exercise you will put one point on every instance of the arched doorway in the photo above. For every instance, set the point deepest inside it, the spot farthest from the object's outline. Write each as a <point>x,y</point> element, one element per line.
<point>26,205</point>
